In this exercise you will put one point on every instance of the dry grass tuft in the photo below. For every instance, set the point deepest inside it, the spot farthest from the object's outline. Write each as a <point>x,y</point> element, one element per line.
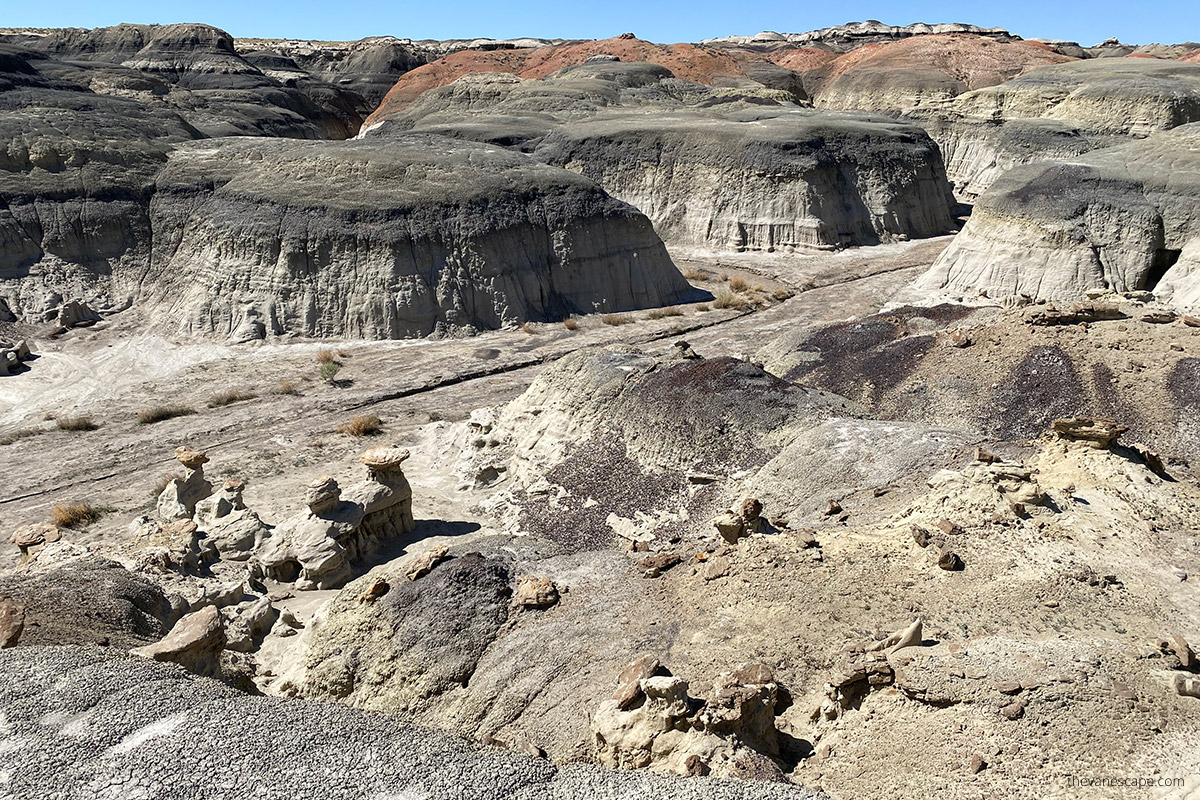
<point>780,294</point>
<point>163,480</point>
<point>738,284</point>
<point>365,425</point>
<point>154,414</point>
<point>570,323</point>
<point>230,396</point>
<point>694,274</point>
<point>701,308</point>
<point>669,311</point>
<point>327,356</point>
<point>728,299</point>
<point>74,515</point>
<point>289,387</point>
<point>81,423</point>
<point>528,327</point>
<point>617,319</point>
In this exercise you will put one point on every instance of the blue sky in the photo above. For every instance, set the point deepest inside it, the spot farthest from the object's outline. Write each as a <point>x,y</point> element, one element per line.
<point>1085,21</point>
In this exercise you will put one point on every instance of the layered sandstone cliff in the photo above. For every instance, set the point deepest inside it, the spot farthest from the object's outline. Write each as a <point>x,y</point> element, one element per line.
<point>1124,218</point>
<point>773,180</point>
<point>391,239</point>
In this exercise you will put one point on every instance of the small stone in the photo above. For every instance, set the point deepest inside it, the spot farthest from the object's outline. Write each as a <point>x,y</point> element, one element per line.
<point>629,687</point>
<point>920,536</point>
<point>1190,321</point>
<point>947,527</point>
<point>1008,687</point>
<point>960,338</point>
<point>192,459</point>
<point>751,508</point>
<point>535,592</point>
<point>833,507</point>
<point>424,563</point>
<point>1187,687</point>
<point>378,588</point>
<point>949,561</point>
<point>716,568</point>
<point>978,765</point>
<point>984,457</point>
<point>1178,348</point>
<point>1014,710</point>
<point>1183,651</point>
<point>12,621</point>
<point>657,564</point>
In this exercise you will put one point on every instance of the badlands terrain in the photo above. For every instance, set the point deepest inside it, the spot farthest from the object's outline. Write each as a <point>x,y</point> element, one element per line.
<point>775,416</point>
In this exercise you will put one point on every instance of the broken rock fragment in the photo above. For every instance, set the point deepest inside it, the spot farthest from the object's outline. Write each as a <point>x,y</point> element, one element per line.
<point>535,592</point>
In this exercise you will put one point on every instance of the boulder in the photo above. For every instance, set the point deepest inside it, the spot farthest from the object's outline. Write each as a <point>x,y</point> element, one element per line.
<point>195,643</point>
<point>12,621</point>
<point>1096,432</point>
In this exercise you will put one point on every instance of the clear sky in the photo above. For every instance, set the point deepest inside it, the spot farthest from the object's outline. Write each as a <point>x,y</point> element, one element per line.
<point>1085,21</point>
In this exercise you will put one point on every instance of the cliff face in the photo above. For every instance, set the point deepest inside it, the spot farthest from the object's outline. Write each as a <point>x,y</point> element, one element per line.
<point>1124,218</point>
<point>770,180</point>
<point>1061,111</point>
<point>403,238</point>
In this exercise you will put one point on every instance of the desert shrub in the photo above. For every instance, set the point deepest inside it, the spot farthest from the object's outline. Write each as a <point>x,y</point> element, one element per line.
<point>80,423</point>
<point>286,387</point>
<point>728,299</point>
<point>74,515</point>
<point>570,323</point>
<point>694,274</point>
<point>781,294</point>
<point>738,284</point>
<point>327,356</point>
<point>329,371</point>
<point>616,319</point>
<point>230,396</point>
<point>701,308</point>
<point>365,425</point>
<point>669,311</point>
<point>154,414</point>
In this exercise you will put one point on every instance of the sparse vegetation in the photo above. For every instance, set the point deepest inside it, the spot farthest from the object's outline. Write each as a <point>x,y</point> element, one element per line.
<point>570,323</point>
<point>528,327</point>
<point>695,274</point>
<point>230,396</point>
<point>616,319</point>
<point>780,294</point>
<point>74,515</point>
<point>701,308</point>
<point>669,311</point>
<point>163,480</point>
<point>166,411</point>
<point>80,423</point>
<point>728,299</point>
<point>286,387</point>
<point>365,425</point>
<point>329,371</point>
<point>327,356</point>
<point>738,284</point>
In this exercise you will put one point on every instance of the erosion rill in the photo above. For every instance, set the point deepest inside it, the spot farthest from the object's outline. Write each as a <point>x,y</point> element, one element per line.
<point>789,415</point>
